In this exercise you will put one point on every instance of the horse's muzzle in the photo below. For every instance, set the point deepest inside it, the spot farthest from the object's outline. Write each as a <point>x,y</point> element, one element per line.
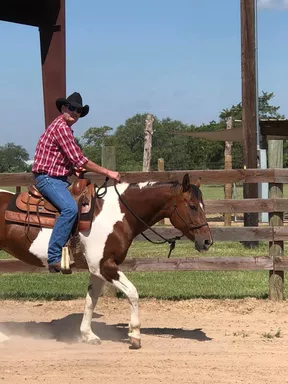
<point>202,244</point>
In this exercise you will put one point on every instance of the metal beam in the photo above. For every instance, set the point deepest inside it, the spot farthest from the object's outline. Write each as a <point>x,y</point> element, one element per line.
<point>53,59</point>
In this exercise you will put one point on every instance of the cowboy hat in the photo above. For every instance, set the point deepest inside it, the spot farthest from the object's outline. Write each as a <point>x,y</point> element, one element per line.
<point>75,100</point>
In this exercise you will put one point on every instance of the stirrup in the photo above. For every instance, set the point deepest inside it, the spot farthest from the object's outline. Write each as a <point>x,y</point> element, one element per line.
<point>65,261</point>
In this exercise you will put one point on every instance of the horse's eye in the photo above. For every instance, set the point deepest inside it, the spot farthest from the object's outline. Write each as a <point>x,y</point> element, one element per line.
<point>192,207</point>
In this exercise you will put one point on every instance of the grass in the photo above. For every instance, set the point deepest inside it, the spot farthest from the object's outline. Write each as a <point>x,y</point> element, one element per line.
<point>186,248</point>
<point>159,285</point>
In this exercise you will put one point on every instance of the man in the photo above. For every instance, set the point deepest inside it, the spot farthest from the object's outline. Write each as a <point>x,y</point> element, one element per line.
<point>57,156</point>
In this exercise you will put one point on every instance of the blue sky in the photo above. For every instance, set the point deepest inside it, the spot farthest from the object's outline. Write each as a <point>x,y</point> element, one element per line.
<point>172,58</point>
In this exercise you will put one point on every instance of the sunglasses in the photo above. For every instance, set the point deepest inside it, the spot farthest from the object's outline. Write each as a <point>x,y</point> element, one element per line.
<point>74,109</point>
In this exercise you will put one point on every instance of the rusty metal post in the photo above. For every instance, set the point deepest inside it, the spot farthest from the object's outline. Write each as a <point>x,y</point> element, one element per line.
<point>53,59</point>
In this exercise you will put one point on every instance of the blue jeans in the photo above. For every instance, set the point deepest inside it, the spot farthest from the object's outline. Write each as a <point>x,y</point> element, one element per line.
<point>55,190</point>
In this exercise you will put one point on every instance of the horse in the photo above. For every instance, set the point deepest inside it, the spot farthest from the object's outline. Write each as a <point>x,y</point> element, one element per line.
<point>121,217</point>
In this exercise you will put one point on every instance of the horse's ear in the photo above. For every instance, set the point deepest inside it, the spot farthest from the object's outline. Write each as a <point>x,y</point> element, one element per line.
<point>186,183</point>
<point>198,182</point>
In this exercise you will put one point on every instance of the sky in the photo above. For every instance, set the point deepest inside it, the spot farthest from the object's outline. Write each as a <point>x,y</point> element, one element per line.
<point>179,59</point>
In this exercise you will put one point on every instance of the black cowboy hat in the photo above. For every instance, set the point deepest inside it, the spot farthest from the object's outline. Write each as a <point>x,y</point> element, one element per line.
<point>75,100</point>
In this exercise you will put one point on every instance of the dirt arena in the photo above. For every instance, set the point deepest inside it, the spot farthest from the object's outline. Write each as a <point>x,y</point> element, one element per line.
<point>195,341</point>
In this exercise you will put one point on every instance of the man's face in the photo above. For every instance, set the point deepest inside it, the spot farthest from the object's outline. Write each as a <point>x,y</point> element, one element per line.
<point>71,114</point>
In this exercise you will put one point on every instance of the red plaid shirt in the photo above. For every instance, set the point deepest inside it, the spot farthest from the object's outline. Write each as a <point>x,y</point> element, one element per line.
<point>57,153</point>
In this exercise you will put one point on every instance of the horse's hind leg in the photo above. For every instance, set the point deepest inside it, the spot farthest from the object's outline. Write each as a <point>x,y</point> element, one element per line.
<point>125,285</point>
<point>94,290</point>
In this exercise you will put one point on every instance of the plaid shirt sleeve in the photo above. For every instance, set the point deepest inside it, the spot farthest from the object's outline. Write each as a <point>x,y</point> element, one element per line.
<point>67,143</point>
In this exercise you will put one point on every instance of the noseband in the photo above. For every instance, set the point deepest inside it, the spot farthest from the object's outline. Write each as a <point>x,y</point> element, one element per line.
<point>190,227</point>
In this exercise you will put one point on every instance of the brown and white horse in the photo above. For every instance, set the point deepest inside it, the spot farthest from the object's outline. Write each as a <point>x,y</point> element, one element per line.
<point>112,232</point>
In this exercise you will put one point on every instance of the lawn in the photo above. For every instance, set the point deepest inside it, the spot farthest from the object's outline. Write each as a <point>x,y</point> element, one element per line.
<point>159,285</point>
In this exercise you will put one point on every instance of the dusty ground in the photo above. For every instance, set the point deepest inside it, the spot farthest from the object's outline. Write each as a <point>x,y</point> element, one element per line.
<point>196,341</point>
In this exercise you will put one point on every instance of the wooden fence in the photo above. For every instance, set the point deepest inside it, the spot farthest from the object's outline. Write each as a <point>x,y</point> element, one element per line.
<point>275,232</point>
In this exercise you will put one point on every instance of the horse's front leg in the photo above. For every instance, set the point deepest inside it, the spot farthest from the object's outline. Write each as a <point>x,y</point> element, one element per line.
<point>94,290</point>
<point>125,285</point>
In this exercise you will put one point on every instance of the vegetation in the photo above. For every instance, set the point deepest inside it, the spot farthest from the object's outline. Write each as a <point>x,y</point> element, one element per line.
<point>179,152</point>
<point>159,285</point>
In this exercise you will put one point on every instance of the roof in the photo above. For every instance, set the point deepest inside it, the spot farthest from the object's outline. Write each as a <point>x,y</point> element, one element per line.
<point>234,134</point>
<point>30,12</point>
<point>273,129</point>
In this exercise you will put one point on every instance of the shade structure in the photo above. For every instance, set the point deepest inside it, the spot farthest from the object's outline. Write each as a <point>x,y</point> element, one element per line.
<point>272,129</point>
<point>234,134</point>
<point>49,17</point>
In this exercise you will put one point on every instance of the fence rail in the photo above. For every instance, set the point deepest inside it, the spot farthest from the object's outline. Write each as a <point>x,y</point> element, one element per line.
<point>235,263</point>
<point>221,176</point>
<point>274,233</point>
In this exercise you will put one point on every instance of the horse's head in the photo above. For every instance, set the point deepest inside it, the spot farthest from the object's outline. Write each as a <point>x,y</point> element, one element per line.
<point>188,214</point>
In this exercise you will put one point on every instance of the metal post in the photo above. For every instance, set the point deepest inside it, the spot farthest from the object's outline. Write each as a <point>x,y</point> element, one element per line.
<point>53,58</point>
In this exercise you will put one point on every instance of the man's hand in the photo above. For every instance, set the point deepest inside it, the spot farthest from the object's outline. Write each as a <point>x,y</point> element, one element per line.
<point>78,171</point>
<point>114,175</point>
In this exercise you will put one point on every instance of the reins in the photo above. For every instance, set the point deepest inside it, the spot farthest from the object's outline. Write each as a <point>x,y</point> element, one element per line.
<point>172,240</point>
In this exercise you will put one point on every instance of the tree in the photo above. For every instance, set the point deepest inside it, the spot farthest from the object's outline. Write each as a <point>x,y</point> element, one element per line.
<point>266,110</point>
<point>13,158</point>
<point>92,141</point>
<point>179,152</point>
<point>129,141</point>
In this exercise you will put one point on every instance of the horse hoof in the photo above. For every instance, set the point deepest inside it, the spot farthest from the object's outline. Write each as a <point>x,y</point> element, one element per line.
<point>135,343</point>
<point>90,341</point>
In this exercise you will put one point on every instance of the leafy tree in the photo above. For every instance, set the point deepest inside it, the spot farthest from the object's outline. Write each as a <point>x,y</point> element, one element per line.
<point>13,158</point>
<point>266,110</point>
<point>129,141</point>
<point>92,141</point>
<point>170,146</point>
<point>178,151</point>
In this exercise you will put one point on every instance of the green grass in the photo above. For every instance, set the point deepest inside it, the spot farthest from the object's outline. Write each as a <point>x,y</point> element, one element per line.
<point>159,285</point>
<point>11,189</point>
<point>186,248</point>
<point>214,192</point>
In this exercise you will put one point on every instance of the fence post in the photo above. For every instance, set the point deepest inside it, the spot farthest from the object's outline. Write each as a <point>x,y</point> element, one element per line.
<point>108,160</point>
<point>228,165</point>
<point>276,248</point>
<point>148,143</point>
<point>108,157</point>
<point>161,168</point>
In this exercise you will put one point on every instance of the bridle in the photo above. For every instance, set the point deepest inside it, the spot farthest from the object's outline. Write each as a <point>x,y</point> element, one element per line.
<point>172,240</point>
<point>189,227</point>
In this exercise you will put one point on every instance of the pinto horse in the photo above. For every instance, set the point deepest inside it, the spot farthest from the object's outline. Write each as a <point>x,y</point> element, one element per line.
<point>112,232</point>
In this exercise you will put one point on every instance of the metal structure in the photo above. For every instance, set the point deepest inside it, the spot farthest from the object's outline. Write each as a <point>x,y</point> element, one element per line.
<point>49,17</point>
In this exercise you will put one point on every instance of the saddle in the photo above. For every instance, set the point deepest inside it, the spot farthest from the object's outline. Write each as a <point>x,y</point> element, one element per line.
<point>31,208</point>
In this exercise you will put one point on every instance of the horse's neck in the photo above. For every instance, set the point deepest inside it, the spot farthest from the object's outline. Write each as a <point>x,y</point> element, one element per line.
<point>150,202</point>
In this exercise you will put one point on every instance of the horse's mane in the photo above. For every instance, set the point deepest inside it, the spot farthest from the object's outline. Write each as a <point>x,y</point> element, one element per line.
<point>175,185</point>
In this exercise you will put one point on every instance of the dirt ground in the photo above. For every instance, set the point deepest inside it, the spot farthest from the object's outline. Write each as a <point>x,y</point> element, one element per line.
<point>195,341</point>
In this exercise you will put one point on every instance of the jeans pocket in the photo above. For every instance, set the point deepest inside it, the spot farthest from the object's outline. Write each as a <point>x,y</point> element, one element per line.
<point>41,182</point>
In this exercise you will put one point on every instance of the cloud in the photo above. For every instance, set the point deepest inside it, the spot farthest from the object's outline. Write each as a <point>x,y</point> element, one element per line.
<point>273,4</point>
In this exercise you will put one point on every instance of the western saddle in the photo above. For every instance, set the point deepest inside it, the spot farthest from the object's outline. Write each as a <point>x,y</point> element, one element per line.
<point>31,208</point>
